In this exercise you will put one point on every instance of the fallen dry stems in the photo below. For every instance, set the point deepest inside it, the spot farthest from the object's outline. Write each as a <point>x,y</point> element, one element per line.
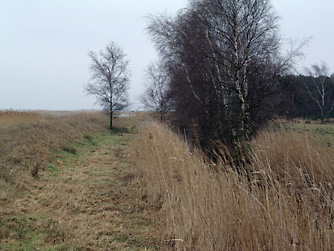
<point>284,203</point>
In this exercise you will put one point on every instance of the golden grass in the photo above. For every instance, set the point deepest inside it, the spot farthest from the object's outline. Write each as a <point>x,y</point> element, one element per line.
<point>9,118</point>
<point>283,202</point>
<point>81,200</point>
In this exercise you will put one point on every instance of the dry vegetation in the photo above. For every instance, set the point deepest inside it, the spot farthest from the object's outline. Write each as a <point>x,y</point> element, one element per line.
<point>32,142</point>
<point>9,118</point>
<point>285,200</point>
<point>65,184</point>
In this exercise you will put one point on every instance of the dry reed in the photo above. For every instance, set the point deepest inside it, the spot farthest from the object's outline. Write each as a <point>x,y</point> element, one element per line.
<point>284,203</point>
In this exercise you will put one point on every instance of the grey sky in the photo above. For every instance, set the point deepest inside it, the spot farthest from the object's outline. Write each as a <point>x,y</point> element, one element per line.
<point>44,44</point>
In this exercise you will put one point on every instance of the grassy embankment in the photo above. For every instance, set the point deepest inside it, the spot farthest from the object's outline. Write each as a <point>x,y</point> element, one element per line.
<point>66,185</point>
<point>284,202</point>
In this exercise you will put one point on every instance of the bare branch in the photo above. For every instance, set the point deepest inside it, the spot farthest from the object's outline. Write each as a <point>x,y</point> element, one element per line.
<point>109,78</point>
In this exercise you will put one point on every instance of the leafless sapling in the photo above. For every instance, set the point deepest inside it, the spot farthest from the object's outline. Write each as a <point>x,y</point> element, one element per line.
<point>109,79</point>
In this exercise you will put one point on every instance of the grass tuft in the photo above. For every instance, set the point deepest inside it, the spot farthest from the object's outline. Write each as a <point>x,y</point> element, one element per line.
<point>69,149</point>
<point>88,137</point>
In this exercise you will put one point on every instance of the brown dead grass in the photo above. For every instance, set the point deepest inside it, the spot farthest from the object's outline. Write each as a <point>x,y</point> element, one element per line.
<point>283,202</point>
<point>26,149</point>
<point>81,201</point>
<point>9,118</point>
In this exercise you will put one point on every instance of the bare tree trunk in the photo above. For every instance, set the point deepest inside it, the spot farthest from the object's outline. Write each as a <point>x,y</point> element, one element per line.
<point>222,91</point>
<point>111,117</point>
<point>246,113</point>
<point>237,83</point>
<point>111,108</point>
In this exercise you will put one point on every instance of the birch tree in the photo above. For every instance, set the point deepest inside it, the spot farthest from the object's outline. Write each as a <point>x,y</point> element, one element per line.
<point>109,79</point>
<point>319,88</point>
<point>227,60</point>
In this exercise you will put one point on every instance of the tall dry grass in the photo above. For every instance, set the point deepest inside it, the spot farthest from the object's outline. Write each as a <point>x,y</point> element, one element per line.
<point>285,201</point>
<point>9,118</point>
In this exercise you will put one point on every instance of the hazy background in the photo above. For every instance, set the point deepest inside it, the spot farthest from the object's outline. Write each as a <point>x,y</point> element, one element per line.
<point>44,44</point>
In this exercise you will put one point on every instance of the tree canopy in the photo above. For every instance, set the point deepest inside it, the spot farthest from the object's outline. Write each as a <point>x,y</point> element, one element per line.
<point>224,63</point>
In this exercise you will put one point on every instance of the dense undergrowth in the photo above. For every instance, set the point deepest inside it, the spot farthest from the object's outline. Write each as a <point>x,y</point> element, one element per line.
<point>283,202</point>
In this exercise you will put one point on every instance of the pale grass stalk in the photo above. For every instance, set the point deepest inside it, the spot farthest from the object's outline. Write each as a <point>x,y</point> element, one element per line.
<point>285,202</point>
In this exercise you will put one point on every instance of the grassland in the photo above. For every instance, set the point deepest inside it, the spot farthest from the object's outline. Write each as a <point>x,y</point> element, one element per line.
<point>66,185</point>
<point>8,118</point>
<point>323,131</point>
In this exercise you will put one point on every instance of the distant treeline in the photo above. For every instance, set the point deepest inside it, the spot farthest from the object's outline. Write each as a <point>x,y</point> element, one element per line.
<point>295,100</point>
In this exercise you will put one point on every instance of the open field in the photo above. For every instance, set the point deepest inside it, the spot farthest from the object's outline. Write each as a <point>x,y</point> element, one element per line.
<point>323,131</point>
<point>11,117</point>
<point>68,183</point>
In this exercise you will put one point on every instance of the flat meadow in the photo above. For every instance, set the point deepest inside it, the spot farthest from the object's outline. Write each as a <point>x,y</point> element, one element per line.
<point>314,128</point>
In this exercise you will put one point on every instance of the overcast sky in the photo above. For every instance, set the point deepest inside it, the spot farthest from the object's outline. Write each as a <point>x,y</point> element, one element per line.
<point>44,44</point>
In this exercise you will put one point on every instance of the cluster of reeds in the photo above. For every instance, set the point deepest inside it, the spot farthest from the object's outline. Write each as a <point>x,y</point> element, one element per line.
<point>282,200</point>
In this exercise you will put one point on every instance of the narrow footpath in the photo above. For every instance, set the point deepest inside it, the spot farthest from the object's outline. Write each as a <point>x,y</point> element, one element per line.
<point>85,202</point>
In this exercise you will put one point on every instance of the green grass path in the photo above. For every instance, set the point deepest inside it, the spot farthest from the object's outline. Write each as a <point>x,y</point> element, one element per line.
<point>83,202</point>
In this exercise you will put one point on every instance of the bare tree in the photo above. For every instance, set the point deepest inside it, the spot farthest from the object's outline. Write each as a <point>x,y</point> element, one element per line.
<point>157,97</point>
<point>227,62</point>
<point>319,75</point>
<point>109,79</point>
